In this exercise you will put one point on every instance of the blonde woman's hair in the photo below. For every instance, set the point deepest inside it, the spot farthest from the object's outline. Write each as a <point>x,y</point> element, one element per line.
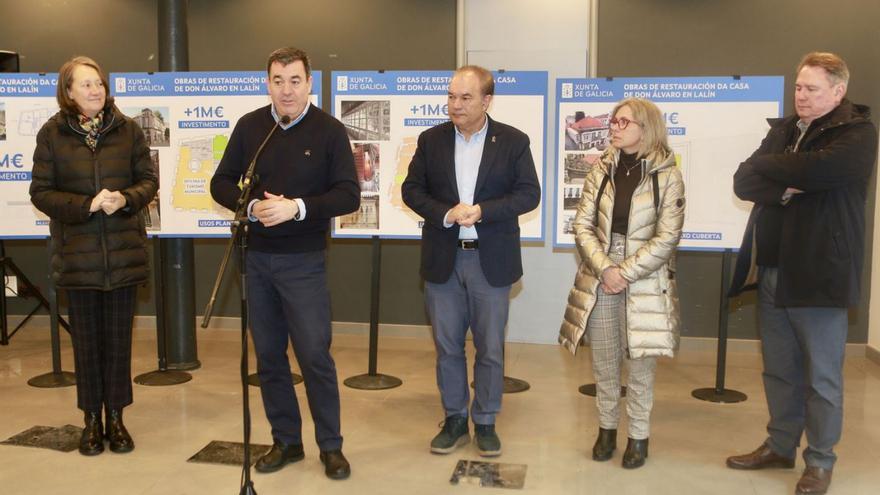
<point>652,123</point>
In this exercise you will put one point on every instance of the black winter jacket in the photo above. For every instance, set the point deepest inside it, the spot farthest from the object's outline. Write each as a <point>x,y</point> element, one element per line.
<point>94,250</point>
<point>823,229</point>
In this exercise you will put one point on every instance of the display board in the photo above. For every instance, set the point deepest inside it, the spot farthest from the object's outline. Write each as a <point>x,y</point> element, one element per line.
<point>713,124</point>
<point>26,103</point>
<point>187,118</point>
<point>384,113</point>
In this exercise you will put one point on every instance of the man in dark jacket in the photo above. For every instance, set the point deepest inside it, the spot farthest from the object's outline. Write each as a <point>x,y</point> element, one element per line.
<point>306,176</point>
<point>470,179</point>
<point>803,250</point>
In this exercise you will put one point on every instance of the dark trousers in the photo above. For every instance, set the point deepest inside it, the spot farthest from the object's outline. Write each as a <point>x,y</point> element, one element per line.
<point>288,300</point>
<point>100,328</point>
<point>803,351</point>
<point>467,300</point>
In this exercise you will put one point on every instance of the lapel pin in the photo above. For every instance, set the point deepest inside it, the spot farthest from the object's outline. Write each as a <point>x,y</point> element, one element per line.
<point>493,139</point>
<point>308,153</point>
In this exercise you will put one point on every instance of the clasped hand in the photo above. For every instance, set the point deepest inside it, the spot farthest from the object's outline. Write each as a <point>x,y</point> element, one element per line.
<point>612,281</point>
<point>109,201</point>
<point>465,215</point>
<point>275,209</point>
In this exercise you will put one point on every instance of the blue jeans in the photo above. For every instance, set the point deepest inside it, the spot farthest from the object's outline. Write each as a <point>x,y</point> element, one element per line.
<point>467,300</point>
<point>803,350</point>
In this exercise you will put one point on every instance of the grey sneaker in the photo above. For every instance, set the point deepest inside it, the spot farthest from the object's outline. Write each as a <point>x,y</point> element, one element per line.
<point>453,435</point>
<point>488,442</point>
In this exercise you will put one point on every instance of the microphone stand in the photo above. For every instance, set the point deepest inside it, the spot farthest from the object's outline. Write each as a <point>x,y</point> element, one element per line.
<point>239,235</point>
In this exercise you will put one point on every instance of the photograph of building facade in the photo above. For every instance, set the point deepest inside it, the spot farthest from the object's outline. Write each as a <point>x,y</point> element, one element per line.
<point>577,166</point>
<point>585,132</point>
<point>367,216</point>
<point>153,122</point>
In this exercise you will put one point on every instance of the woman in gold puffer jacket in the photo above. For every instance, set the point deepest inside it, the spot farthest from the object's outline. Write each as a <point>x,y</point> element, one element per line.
<point>627,228</point>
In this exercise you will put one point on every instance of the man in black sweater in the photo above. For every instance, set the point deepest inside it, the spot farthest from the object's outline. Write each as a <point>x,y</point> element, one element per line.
<point>306,176</point>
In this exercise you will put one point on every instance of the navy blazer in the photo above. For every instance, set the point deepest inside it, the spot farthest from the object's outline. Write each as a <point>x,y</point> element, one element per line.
<point>507,186</point>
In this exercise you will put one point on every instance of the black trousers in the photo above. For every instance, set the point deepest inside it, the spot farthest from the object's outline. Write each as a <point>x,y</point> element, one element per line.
<point>289,302</point>
<point>100,327</point>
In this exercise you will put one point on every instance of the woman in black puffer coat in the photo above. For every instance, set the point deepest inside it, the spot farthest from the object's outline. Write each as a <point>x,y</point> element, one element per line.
<point>92,176</point>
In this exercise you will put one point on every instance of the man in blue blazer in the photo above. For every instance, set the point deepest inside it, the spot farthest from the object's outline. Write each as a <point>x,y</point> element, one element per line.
<point>470,179</point>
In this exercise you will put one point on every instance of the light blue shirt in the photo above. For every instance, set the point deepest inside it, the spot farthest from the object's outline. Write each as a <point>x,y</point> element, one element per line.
<point>468,155</point>
<point>301,214</point>
<point>293,122</point>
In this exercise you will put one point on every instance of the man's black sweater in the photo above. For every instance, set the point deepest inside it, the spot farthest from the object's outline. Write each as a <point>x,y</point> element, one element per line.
<point>311,160</point>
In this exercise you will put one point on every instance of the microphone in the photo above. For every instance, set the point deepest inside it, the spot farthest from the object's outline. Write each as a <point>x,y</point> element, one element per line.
<point>239,220</point>
<point>249,175</point>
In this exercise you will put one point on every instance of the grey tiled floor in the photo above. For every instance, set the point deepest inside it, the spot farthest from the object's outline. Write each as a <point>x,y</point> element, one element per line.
<point>550,428</point>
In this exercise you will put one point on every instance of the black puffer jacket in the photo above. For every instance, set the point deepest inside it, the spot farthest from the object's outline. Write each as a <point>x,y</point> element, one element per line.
<point>94,250</point>
<point>823,229</point>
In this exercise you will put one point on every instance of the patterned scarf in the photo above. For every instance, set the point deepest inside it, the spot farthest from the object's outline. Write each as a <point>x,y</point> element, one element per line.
<point>93,128</point>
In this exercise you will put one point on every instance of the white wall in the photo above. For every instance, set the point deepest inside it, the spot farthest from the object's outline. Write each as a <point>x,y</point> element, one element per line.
<point>874,306</point>
<point>552,35</point>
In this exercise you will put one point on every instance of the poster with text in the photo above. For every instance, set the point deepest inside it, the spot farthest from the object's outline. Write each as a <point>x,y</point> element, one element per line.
<point>713,124</point>
<point>187,118</point>
<point>27,101</point>
<point>384,113</point>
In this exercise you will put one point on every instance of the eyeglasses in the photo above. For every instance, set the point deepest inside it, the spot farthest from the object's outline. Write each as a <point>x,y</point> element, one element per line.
<point>622,122</point>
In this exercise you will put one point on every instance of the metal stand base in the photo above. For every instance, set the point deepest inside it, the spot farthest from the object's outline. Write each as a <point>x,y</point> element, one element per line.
<point>590,389</point>
<point>513,385</point>
<point>248,489</point>
<point>718,393</point>
<point>187,366</point>
<point>372,382</point>
<point>159,378</point>
<point>724,396</point>
<point>53,380</point>
<point>254,379</point>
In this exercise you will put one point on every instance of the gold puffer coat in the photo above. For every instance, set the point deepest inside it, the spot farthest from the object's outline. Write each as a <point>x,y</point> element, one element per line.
<point>652,314</point>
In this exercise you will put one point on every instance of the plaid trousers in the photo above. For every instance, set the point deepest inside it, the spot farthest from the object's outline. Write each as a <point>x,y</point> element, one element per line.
<point>100,328</point>
<point>608,341</point>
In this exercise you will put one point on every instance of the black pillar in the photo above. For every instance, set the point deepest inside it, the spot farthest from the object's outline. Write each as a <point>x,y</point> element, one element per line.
<point>176,269</point>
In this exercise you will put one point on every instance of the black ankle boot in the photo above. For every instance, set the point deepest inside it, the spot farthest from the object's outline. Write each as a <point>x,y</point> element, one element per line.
<point>92,440</point>
<point>605,444</point>
<point>635,454</point>
<point>120,440</point>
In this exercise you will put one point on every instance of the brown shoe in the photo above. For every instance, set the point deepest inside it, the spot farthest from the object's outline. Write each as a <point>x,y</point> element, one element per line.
<point>814,481</point>
<point>278,456</point>
<point>761,458</point>
<point>336,466</point>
